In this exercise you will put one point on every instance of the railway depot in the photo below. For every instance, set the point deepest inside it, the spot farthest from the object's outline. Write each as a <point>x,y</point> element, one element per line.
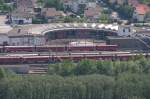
<point>50,43</point>
<point>35,34</point>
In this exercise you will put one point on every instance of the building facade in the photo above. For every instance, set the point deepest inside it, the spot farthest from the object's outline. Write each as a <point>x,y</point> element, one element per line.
<point>125,31</point>
<point>26,40</point>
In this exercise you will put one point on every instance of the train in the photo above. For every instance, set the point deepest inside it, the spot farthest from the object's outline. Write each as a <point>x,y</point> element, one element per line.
<point>33,59</point>
<point>57,48</point>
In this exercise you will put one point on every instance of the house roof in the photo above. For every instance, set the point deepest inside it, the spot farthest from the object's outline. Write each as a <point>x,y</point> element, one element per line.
<point>18,13</point>
<point>134,3</point>
<point>51,12</point>
<point>67,1</point>
<point>90,12</point>
<point>24,4</point>
<point>142,9</point>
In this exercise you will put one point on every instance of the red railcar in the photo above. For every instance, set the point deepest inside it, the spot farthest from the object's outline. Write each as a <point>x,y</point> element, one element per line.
<point>106,47</point>
<point>1,49</point>
<point>125,56</point>
<point>82,48</point>
<point>57,48</point>
<point>36,59</point>
<point>19,49</point>
<point>42,49</point>
<point>10,59</point>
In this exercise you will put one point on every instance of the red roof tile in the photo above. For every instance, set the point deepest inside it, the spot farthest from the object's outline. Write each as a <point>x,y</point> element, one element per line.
<point>142,9</point>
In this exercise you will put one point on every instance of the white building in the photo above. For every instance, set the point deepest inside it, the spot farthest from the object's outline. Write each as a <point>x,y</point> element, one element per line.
<point>140,12</point>
<point>139,16</point>
<point>4,30</point>
<point>125,30</point>
<point>21,18</point>
<point>26,40</point>
<point>20,37</point>
<point>4,40</point>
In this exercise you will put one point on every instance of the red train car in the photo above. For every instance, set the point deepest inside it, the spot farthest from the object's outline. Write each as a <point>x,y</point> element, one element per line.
<point>82,48</point>
<point>57,48</point>
<point>36,59</point>
<point>106,47</point>
<point>10,59</point>
<point>19,49</point>
<point>51,48</point>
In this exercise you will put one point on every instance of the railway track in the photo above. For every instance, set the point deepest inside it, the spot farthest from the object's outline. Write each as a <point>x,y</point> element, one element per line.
<point>38,69</point>
<point>31,59</point>
<point>64,53</point>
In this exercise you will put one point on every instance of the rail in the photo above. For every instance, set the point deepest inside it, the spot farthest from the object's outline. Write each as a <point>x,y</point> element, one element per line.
<point>134,36</point>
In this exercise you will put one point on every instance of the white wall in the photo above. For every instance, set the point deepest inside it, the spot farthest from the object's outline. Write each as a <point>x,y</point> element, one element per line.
<point>21,41</point>
<point>39,40</point>
<point>26,20</point>
<point>27,41</point>
<point>139,17</point>
<point>3,38</point>
<point>124,31</point>
<point>14,41</point>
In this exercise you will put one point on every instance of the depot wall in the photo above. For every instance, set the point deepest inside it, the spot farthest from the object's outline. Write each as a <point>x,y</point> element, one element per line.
<point>39,39</point>
<point>22,40</point>
<point>3,39</point>
<point>26,40</point>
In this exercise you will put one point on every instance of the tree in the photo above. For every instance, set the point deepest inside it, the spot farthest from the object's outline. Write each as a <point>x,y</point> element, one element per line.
<point>67,68</point>
<point>130,86</point>
<point>54,3</point>
<point>68,19</point>
<point>40,2</point>
<point>105,67</point>
<point>104,18</point>
<point>85,67</point>
<point>126,11</point>
<point>2,73</point>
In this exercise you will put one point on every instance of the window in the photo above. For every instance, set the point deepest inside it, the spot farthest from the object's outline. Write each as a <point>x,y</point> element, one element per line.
<point>123,30</point>
<point>129,30</point>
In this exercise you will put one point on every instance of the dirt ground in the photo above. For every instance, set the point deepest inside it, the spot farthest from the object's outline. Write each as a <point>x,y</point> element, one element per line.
<point>4,28</point>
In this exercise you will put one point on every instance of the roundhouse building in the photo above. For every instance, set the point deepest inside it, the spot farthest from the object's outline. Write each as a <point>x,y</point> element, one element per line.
<point>4,40</point>
<point>40,34</point>
<point>21,37</point>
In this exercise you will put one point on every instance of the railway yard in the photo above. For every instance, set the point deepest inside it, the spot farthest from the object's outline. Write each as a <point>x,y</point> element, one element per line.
<point>33,47</point>
<point>13,55</point>
<point>37,62</point>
